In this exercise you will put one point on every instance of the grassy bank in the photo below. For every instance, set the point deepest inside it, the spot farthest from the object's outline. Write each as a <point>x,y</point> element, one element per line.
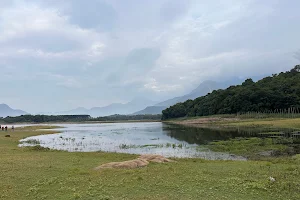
<point>268,122</point>
<point>231,121</point>
<point>28,173</point>
<point>252,148</point>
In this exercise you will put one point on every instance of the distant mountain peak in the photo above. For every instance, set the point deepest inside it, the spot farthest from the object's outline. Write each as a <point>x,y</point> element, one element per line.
<point>5,111</point>
<point>205,86</point>
<point>3,105</point>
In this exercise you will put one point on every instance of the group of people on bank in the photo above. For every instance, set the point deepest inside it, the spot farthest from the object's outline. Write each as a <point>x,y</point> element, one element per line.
<point>5,128</point>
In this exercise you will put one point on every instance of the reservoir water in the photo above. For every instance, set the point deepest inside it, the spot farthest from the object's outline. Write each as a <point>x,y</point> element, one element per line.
<point>135,138</point>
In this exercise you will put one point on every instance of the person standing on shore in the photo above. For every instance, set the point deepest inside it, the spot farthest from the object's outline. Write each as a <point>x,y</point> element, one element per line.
<point>13,128</point>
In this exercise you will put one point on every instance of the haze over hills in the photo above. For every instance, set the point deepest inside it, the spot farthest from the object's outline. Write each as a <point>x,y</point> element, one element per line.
<point>114,108</point>
<point>150,110</point>
<point>204,88</point>
<point>5,111</point>
<point>144,106</point>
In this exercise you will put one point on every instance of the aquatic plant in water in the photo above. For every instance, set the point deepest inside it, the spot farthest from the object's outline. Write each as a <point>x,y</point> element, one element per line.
<point>31,141</point>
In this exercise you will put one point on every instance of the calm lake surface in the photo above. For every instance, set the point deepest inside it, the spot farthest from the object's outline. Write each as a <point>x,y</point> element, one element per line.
<point>135,138</point>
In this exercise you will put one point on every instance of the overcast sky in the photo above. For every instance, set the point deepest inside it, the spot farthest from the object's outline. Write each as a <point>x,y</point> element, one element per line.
<point>57,55</point>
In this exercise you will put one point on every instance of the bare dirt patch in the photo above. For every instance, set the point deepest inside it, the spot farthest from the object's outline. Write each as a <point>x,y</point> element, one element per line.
<point>203,122</point>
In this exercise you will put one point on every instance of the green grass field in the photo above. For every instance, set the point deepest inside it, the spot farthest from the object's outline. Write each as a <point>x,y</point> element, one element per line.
<point>268,122</point>
<point>33,173</point>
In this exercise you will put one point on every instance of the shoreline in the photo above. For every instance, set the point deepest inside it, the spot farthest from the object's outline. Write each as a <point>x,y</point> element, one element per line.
<point>222,122</point>
<point>82,122</point>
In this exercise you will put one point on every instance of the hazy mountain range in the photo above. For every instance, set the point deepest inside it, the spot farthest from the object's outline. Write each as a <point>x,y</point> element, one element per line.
<point>115,108</point>
<point>145,106</point>
<point>136,106</point>
<point>5,111</point>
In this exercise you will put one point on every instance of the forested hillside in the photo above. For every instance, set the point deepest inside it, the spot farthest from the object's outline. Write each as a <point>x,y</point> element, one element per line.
<point>280,91</point>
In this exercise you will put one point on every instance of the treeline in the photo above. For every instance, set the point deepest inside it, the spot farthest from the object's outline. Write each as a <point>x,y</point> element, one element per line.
<point>74,118</point>
<point>127,117</point>
<point>271,94</point>
<point>45,118</point>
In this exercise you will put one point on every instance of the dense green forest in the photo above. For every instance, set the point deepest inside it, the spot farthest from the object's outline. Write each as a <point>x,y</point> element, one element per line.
<point>74,118</point>
<point>273,93</point>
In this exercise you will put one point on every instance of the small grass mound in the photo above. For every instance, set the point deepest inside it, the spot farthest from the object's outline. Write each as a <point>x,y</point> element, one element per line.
<point>142,161</point>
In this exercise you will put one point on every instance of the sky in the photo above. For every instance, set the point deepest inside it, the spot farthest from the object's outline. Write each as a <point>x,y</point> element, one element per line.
<point>58,55</point>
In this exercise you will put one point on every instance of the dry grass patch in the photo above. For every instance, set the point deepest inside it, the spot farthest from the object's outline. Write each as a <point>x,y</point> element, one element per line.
<point>142,161</point>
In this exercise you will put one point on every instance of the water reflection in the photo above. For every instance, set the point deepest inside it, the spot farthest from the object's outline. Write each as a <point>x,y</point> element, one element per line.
<point>198,136</point>
<point>202,136</point>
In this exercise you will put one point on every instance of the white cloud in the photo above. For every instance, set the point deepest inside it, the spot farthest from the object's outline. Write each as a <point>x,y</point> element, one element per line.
<point>42,32</point>
<point>156,87</point>
<point>190,46</point>
<point>25,18</point>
